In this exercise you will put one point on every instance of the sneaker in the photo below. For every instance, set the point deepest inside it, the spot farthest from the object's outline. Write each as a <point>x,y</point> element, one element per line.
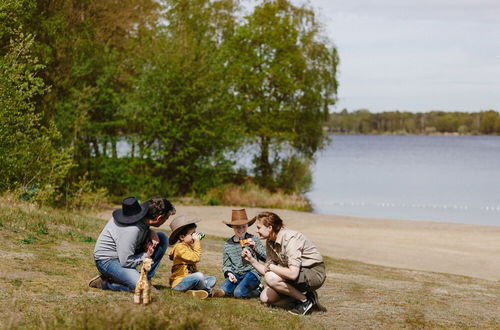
<point>200,294</point>
<point>313,296</point>
<point>97,282</point>
<point>217,293</point>
<point>302,307</point>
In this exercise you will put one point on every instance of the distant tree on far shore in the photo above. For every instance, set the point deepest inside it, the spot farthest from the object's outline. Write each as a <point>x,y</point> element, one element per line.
<point>395,122</point>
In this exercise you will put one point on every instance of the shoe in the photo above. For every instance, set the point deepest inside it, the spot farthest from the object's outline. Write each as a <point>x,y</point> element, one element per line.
<point>97,282</point>
<point>313,296</point>
<point>217,293</point>
<point>200,294</point>
<point>302,307</point>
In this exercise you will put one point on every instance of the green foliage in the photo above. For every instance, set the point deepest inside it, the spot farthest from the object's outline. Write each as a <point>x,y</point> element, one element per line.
<point>29,148</point>
<point>294,175</point>
<point>284,75</point>
<point>395,122</point>
<point>182,83</point>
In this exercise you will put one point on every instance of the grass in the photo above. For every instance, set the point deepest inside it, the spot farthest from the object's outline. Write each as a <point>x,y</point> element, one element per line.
<point>252,195</point>
<point>43,285</point>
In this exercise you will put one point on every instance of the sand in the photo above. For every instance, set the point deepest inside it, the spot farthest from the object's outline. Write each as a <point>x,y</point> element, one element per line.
<point>469,250</point>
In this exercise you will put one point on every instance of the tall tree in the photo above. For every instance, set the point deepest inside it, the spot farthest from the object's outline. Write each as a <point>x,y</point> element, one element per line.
<point>284,78</point>
<point>181,115</point>
<point>29,152</point>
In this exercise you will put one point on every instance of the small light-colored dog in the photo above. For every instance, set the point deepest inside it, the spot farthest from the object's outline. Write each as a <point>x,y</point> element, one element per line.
<point>143,286</point>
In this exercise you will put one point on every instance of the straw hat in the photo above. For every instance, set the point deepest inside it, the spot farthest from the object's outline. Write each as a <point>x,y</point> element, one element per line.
<point>238,218</point>
<point>177,224</point>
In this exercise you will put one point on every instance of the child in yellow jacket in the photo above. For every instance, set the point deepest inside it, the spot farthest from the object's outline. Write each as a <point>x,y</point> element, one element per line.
<point>185,254</point>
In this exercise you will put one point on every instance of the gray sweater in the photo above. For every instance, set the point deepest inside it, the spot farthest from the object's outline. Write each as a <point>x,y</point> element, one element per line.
<point>122,242</point>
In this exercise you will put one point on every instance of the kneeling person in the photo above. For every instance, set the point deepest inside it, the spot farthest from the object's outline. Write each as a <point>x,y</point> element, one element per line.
<point>294,266</point>
<point>127,240</point>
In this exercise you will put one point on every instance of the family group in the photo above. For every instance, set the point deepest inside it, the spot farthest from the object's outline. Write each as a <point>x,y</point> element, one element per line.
<point>290,265</point>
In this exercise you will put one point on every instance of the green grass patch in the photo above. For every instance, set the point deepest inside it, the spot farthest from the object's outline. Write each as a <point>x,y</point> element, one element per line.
<point>47,262</point>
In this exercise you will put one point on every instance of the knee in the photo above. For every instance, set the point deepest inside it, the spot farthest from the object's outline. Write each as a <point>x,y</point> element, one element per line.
<point>163,239</point>
<point>199,277</point>
<point>264,296</point>
<point>272,279</point>
<point>238,293</point>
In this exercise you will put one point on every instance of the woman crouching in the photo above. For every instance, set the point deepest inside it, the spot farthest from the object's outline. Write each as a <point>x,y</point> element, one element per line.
<point>294,266</point>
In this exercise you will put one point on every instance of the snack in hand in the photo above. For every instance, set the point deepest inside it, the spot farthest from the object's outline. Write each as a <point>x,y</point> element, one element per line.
<point>244,242</point>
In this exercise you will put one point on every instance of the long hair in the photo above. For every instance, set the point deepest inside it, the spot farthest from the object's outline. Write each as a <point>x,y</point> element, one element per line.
<point>270,219</point>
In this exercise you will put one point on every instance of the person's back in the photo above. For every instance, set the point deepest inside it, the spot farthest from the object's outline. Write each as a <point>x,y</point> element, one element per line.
<point>127,240</point>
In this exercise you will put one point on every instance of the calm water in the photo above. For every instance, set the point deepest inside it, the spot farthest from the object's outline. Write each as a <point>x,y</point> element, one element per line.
<point>436,178</point>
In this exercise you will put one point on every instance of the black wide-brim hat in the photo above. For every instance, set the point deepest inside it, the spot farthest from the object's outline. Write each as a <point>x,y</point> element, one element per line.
<point>131,211</point>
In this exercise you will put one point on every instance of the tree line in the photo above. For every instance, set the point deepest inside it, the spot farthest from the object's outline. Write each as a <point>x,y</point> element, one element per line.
<point>396,122</point>
<point>157,97</point>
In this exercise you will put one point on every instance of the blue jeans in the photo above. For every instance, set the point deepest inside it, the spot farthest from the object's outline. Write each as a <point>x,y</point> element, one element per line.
<point>196,281</point>
<point>245,287</point>
<point>119,278</point>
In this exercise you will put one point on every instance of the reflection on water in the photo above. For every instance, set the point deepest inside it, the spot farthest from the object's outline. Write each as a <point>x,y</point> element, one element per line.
<point>436,178</point>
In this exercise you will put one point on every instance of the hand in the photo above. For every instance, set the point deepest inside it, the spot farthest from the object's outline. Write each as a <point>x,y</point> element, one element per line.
<point>231,278</point>
<point>153,237</point>
<point>150,250</point>
<point>247,255</point>
<point>251,243</point>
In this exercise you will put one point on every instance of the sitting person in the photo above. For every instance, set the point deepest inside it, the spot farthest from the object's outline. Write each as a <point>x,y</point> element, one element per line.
<point>185,254</point>
<point>241,279</point>
<point>127,240</point>
<point>294,266</point>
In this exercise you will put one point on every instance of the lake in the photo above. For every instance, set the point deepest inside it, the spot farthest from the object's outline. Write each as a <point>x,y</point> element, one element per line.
<point>435,178</point>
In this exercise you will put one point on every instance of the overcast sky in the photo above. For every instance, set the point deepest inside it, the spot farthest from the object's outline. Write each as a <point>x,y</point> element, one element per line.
<point>415,55</point>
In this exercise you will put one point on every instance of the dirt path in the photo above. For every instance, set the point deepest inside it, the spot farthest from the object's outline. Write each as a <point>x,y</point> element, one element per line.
<point>431,246</point>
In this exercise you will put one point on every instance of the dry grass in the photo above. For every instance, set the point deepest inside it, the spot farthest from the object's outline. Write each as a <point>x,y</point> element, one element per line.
<point>46,263</point>
<point>252,195</point>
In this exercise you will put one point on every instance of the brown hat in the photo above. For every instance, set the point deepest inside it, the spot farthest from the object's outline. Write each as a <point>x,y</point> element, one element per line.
<point>177,224</point>
<point>238,218</point>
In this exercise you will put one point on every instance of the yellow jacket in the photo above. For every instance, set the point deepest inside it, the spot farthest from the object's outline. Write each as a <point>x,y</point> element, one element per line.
<point>184,256</point>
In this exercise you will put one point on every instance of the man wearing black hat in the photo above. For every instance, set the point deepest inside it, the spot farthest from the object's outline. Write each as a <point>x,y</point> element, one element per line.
<point>126,241</point>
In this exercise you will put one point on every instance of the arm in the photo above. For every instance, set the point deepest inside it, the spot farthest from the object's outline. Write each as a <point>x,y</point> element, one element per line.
<point>247,255</point>
<point>226,261</point>
<point>288,273</point>
<point>126,245</point>
<point>259,250</point>
<point>190,255</point>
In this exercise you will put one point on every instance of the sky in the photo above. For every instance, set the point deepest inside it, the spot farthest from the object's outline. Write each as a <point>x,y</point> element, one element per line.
<point>415,55</point>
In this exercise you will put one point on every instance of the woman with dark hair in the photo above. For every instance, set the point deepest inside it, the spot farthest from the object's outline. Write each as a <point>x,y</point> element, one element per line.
<point>294,266</point>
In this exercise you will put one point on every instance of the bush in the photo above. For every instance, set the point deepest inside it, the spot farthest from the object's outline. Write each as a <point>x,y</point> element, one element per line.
<point>30,155</point>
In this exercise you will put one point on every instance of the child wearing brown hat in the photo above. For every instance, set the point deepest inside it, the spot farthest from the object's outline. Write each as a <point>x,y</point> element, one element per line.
<point>185,254</point>
<point>242,280</point>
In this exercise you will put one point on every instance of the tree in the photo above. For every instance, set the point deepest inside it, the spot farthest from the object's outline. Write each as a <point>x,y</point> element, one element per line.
<point>284,76</point>
<point>181,114</point>
<point>29,151</point>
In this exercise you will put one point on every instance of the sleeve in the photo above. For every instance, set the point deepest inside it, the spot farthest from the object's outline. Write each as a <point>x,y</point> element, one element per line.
<point>259,249</point>
<point>226,261</point>
<point>294,250</point>
<point>189,254</point>
<point>126,245</point>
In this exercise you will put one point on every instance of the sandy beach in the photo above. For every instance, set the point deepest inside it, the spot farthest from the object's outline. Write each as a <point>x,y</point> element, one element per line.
<point>432,246</point>
<point>460,249</point>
